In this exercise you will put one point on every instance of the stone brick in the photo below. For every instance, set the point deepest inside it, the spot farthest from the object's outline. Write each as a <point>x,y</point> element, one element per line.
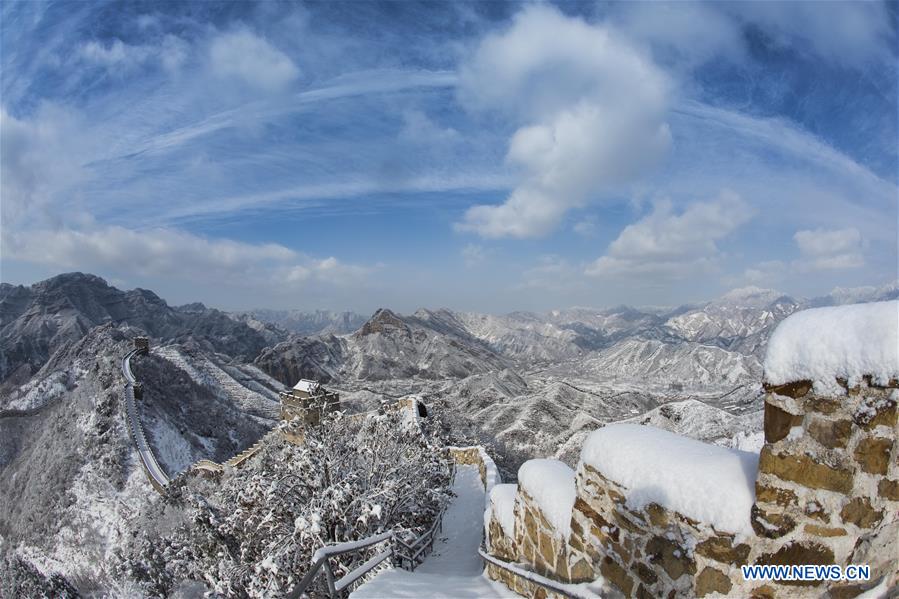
<point>711,580</point>
<point>768,494</point>
<point>848,591</point>
<point>804,470</point>
<point>686,519</point>
<point>772,525</point>
<point>644,573</point>
<point>617,575</point>
<point>656,514</point>
<point>778,422</point>
<point>623,553</point>
<point>822,405</point>
<point>581,571</point>
<point>873,454</point>
<point>830,433</point>
<point>671,556</point>
<point>592,515</point>
<point>545,546</point>
<point>888,489</point>
<point>797,553</point>
<point>561,569</point>
<point>795,390</point>
<point>886,416</point>
<point>824,531</point>
<point>625,523</point>
<point>530,524</point>
<point>721,549</point>
<point>860,512</point>
<point>643,593</point>
<point>762,592</point>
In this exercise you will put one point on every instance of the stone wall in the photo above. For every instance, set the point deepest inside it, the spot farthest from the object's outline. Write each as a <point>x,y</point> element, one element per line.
<point>471,456</point>
<point>827,492</point>
<point>828,485</point>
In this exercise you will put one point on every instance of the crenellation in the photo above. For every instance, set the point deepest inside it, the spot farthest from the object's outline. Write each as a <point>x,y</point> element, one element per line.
<point>826,492</point>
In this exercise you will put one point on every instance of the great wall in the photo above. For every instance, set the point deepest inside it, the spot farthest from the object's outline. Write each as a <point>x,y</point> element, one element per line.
<point>824,490</point>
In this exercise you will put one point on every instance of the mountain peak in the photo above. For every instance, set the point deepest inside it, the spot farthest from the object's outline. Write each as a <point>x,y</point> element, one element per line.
<point>381,321</point>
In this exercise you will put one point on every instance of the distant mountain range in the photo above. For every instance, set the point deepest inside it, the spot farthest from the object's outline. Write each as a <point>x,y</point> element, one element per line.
<point>525,384</point>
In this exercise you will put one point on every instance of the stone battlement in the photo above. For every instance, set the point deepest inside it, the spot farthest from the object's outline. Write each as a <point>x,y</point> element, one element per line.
<point>826,492</point>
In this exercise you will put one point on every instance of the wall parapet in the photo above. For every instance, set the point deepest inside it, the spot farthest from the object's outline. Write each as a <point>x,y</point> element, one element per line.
<point>826,491</point>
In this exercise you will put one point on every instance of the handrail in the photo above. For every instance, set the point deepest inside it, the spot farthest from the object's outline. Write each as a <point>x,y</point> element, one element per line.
<point>547,583</point>
<point>359,572</point>
<point>322,556</point>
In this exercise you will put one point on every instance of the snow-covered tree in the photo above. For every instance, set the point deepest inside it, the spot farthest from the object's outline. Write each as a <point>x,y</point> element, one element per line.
<point>254,534</point>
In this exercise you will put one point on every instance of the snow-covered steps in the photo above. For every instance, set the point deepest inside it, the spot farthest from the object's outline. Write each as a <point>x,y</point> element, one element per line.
<point>454,568</point>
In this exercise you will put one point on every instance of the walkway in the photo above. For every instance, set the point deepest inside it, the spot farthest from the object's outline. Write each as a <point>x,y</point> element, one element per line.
<point>157,475</point>
<point>454,569</point>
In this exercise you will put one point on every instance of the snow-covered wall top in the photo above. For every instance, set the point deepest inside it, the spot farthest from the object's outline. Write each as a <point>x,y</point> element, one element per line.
<point>705,482</point>
<point>550,483</point>
<point>843,341</point>
<point>502,502</point>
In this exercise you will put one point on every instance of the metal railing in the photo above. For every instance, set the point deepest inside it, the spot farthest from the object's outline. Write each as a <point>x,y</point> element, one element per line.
<point>532,577</point>
<point>406,555</point>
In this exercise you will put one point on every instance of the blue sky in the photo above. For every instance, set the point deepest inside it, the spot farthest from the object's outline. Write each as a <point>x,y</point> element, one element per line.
<point>481,156</point>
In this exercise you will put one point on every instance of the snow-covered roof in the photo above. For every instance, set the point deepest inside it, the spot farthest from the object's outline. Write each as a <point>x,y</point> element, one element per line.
<point>841,341</point>
<point>307,386</point>
<point>551,484</point>
<point>705,482</point>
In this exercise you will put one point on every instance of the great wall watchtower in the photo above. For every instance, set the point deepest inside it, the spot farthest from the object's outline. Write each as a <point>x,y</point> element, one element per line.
<point>304,406</point>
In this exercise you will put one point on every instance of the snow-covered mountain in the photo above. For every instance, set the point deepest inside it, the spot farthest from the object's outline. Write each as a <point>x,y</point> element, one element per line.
<point>316,322</point>
<point>525,384</point>
<point>35,321</point>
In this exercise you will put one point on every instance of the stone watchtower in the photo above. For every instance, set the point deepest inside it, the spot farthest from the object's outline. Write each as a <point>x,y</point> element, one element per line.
<point>142,344</point>
<point>308,401</point>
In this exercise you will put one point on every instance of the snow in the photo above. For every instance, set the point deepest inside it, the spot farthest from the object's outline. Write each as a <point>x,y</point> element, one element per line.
<point>551,484</point>
<point>490,470</point>
<point>454,569</point>
<point>711,484</point>
<point>502,502</point>
<point>843,341</point>
<point>307,386</point>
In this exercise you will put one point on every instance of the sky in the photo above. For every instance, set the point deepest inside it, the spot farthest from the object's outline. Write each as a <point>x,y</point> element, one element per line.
<point>483,156</point>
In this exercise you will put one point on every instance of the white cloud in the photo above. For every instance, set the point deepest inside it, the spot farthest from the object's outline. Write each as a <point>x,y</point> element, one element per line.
<point>595,106</point>
<point>823,249</point>
<point>666,244</point>
<point>40,157</point>
<point>848,33</point>
<point>175,254</point>
<point>682,32</point>
<point>119,56</point>
<point>244,57</point>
